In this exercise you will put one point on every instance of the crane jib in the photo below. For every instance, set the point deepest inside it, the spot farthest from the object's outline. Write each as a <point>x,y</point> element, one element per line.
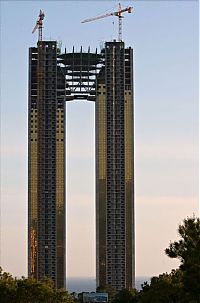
<point>117,14</point>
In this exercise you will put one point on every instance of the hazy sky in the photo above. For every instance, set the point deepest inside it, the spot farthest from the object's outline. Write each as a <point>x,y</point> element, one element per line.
<point>164,35</point>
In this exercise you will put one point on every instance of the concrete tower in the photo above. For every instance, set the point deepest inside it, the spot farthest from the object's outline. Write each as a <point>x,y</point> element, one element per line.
<point>115,169</point>
<point>46,165</point>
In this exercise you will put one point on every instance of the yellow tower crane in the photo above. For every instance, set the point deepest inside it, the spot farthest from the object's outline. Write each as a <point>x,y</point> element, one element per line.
<point>38,25</point>
<point>117,14</point>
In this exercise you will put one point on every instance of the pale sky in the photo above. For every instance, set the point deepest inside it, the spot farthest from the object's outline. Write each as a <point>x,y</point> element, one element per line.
<point>164,36</point>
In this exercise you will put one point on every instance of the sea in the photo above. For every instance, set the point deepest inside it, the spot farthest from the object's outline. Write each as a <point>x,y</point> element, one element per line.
<point>88,284</point>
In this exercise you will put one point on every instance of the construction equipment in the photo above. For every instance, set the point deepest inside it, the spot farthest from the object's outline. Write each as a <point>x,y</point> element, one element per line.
<point>39,25</point>
<point>117,14</point>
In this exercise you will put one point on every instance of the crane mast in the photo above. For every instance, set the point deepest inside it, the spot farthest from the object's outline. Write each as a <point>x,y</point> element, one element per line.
<point>117,14</point>
<point>39,24</point>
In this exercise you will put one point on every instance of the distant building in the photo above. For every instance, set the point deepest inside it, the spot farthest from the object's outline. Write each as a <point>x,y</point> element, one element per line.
<point>107,79</point>
<point>91,297</point>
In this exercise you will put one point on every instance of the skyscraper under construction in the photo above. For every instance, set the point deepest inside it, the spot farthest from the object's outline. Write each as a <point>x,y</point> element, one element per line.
<point>105,78</point>
<point>115,168</point>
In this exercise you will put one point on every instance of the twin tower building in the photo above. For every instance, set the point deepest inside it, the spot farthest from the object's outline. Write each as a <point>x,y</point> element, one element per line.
<point>105,78</point>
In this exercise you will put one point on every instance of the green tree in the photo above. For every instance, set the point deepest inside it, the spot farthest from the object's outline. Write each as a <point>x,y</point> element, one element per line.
<point>167,288</point>
<point>30,291</point>
<point>126,296</point>
<point>8,287</point>
<point>187,250</point>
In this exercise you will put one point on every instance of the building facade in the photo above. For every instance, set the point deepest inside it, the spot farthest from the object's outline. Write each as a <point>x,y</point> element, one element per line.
<point>107,79</point>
